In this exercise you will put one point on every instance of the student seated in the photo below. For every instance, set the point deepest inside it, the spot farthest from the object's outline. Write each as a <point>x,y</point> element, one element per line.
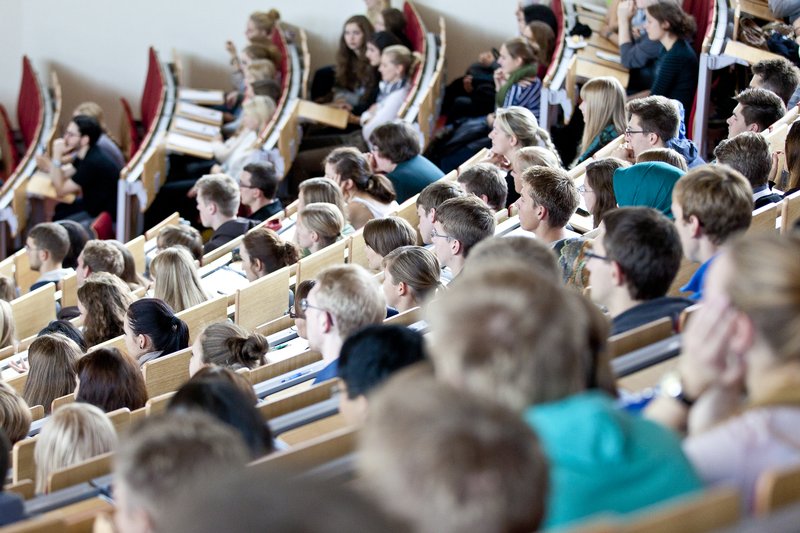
<point>487,182</point>
<point>663,155</point>
<point>647,185</point>
<point>181,235</point>
<point>344,299</point>
<point>52,360</point>
<point>263,252</point>
<point>638,52</point>
<point>749,153</point>
<point>164,457</point>
<point>103,301</point>
<point>15,415</point>
<point>99,256</point>
<point>296,310</point>
<point>175,279</point>
<point>711,205</point>
<point>737,373</point>
<point>778,75</point>
<point>228,345</point>
<point>318,226</point>
<point>653,122</point>
<point>533,253</point>
<point>152,330</point>
<point>756,111</point>
<point>67,329</point>
<point>633,262</point>
<point>598,187</point>
<point>384,235</point>
<point>74,433</point>
<point>603,109</point>
<point>258,186</point>
<point>47,244</point>
<point>8,335</point>
<point>581,431</point>
<point>217,203</point>
<point>396,153</point>
<point>369,196</point>
<point>110,380</point>
<point>549,198</point>
<point>217,396</point>
<point>483,469</point>
<point>8,289</point>
<point>12,506</point>
<point>429,200</point>
<point>460,224</point>
<point>326,191</point>
<point>410,275</point>
<point>521,160</point>
<point>368,358</point>
<point>78,237</point>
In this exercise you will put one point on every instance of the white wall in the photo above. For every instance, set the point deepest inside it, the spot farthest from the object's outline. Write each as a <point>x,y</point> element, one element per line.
<point>99,47</point>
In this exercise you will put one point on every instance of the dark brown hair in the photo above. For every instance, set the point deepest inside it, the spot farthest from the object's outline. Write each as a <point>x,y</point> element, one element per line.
<point>353,69</point>
<point>681,24</point>
<point>273,252</point>
<point>350,164</point>
<point>600,178</point>
<point>110,380</point>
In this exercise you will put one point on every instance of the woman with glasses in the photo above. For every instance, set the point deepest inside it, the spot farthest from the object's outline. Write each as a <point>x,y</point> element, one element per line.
<point>603,109</point>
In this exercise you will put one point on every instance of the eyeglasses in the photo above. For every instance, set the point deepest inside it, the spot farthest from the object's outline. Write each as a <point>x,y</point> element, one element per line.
<point>582,189</point>
<point>243,186</point>
<point>434,235</point>
<point>630,132</point>
<point>592,255</point>
<point>71,134</point>
<point>305,306</point>
<point>293,314</point>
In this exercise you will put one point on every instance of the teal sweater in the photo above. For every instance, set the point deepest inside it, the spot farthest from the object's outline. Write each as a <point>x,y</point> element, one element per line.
<point>605,460</point>
<point>410,177</point>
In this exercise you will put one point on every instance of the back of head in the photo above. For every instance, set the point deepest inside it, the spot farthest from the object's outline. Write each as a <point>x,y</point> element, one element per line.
<point>553,189</point>
<point>523,49</point>
<point>495,331</point>
<point>8,289</point>
<point>15,416</point>
<point>110,380</point>
<point>485,179</point>
<point>372,354</point>
<point>221,190</point>
<point>394,20</point>
<point>520,122</point>
<point>600,180</point>
<point>415,266</point>
<point>181,235</point>
<point>78,237</point>
<point>265,21</point>
<point>396,141</point>
<point>748,153</point>
<point>433,195</point>
<point>793,156</point>
<point>230,345</point>
<point>74,433</point>
<point>350,164</point>
<point>128,275</point>
<point>536,155</point>
<point>65,328</point>
<point>664,155</point>
<point>466,219</point>
<point>90,109</point>
<point>221,399</point>
<point>761,107</point>
<point>106,299</point>
<point>7,325</point>
<point>273,252</point>
<point>352,296</point>
<point>102,256</point>
<point>646,246</point>
<point>386,234</point>
<point>657,114</point>
<point>263,177</point>
<point>156,319</point>
<point>324,219</point>
<point>383,39</point>
<point>721,199</point>
<point>322,190</point>
<point>170,455</point>
<point>52,360</point>
<point>260,108</point>
<point>401,56</point>
<point>531,253</point>
<point>176,279</point>
<point>53,238</point>
<point>778,75</point>
<point>483,467</point>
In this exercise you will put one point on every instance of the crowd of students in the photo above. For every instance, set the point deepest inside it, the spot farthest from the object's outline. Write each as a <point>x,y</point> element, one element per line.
<point>506,416</point>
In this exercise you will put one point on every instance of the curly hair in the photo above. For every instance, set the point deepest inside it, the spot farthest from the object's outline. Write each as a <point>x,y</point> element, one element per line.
<point>106,299</point>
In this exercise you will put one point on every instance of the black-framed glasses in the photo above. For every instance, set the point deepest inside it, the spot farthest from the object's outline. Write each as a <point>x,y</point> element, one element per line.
<point>293,314</point>
<point>590,255</point>
<point>305,306</point>
<point>629,131</point>
<point>434,235</point>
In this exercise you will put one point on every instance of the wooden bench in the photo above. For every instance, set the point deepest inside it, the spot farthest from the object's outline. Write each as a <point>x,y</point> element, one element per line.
<point>168,373</point>
<point>312,453</point>
<point>764,220</point>
<point>34,310</point>
<point>309,267</point>
<point>80,473</point>
<point>640,337</point>
<point>23,465</point>
<point>790,212</point>
<point>776,489</point>
<point>263,300</point>
<point>201,315</point>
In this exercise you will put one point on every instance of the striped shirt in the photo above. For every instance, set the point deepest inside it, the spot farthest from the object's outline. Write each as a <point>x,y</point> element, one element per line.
<point>525,96</point>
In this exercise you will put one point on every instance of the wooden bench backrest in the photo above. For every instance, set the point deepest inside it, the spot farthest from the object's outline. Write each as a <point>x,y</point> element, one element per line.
<point>25,277</point>
<point>34,310</point>
<point>39,524</point>
<point>358,250</point>
<point>764,220</point>
<point>136,248</point>
<point>25,488</point>
<point>408,212</point>
<point>168,373</point>
<point>314,430</point>
<point>80,473</point>
<point>7,352</point>
<point>61,401</point>
<point>69,290</point>
<point>274,326</point>
<point>116,342</point>
<point>406,318</point>
<point>309,267</point>
<point>790,212</point>
<point>154,171</point>
<point>18,383</point>
<point>640,337</point>
<point>37,412</point>
<point>685,273</point>
<point>273,370</point>
<point>312,453</point>
<point>120,419</point>
<point>173,220</point>
<point>201,315</point>
<point>23,465</point>
<point>776,489</point>
<point>263,300</point>
<point>317,393</point>
<point>158,404</point>
<point>698,513</point>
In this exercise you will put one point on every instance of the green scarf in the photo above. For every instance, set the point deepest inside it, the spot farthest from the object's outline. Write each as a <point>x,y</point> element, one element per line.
<point>527,71</point>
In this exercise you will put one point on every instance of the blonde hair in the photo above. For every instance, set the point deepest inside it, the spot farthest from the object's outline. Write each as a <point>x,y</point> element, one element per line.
<point>74,433</point>
<point>53,363</point>
<point>401,56</point>
<point>605,101</point>
<point>352,297</point>
<point>415,266</point>
<point>106,299</point>
<point>15,416</point>
<point>176,279</point>
<point>324,219</point>
<point>323,190</point>
<point>91,109</point>
<point>260,69</point>
<point>7,329</point>
<point>222,190</point>
<point>386,234</point>
<point>230,345</point>
<point>520,122</point>
<point>265,21</point>
<point>664,155</point>
<point>536,156</point>
<point>259,107</point>
<point>8,289</point>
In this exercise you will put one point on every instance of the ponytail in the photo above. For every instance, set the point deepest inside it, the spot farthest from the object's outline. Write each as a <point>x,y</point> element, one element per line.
<point>248,351</point>
<point>156,319</point>
<point>229,345</point>
<point>380,187</point>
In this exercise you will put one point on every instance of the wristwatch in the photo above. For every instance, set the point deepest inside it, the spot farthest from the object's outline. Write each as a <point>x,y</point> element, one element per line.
<point>56,162</point>
<point>672,387</point>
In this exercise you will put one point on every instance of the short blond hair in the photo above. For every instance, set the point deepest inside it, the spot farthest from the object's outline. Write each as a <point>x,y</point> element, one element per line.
<point>531,252</point>
<point>415,266</point>
<point>324,219</point>
<point>483,467</point>
<point>7,328</point>
<point>352,297</point>
<point>220,189</point>
<point>466,219</point>
<point>497,329</point>
<point>74,433</point>
<point>15,416</point>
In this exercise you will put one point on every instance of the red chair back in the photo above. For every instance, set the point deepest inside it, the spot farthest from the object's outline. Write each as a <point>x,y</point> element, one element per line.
<point>9,148</point>
<point>153,86</point>
<point>103,226</point>
<point>414,27</point>
<point>29,103</point>
<point>133,132</point>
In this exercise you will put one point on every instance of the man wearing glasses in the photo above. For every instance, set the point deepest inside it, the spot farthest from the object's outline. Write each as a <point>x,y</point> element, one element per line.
<point>258,184</point>
<point>460,224</point>
<point>345,299</point>
<point>633,262</point>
